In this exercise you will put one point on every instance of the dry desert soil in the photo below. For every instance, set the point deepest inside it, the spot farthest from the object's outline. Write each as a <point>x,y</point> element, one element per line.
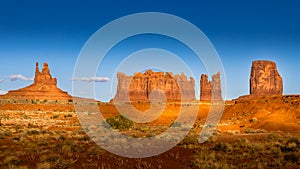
<point>261,132</point>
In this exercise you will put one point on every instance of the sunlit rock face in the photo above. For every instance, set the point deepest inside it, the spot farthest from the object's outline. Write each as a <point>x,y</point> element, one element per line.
<point>265,79</point>
<point>158,86</point>
<point>43,88</point>
<point>210,90</point>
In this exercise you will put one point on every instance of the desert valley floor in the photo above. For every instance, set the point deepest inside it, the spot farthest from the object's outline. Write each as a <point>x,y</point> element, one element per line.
<point>262,132</point>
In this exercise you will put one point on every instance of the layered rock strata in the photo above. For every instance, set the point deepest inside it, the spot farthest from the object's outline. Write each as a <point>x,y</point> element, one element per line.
<point>210,90</point>
<point>265,79</point>
<point>154,86</point>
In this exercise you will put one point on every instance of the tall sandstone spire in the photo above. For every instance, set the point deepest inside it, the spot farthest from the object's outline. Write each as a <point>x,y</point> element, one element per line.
<point>43,88</point>
<point>44,77</point>
<point>210,90</point>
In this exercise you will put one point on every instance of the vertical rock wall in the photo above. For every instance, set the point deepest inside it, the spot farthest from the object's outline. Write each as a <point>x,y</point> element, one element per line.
<point>265,79</point>
<point>156,86</point>
<point>210,90</point>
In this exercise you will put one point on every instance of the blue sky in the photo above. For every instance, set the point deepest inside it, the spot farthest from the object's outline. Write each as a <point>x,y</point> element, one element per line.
<point>241,31</point>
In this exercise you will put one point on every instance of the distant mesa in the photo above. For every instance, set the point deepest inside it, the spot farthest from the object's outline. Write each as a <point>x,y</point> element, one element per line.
<point>44,87</point>
<point>210,90</point>
<point>154,86</point>
<point>265,79</point>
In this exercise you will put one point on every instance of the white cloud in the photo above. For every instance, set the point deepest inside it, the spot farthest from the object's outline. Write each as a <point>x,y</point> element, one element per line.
<point>19,77</point>
<point>91,79</point>
<point>2,92</point>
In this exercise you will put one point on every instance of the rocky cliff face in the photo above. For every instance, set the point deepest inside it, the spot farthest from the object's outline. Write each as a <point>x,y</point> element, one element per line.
<point>210,90</point>
<point>265,79</point>
<point>43,88</point>
<point>205,88</point>
<point>155,86</point>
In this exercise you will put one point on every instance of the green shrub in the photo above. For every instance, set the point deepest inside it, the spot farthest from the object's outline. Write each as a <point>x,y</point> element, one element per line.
<point>120,122</point>
<point>294,157</point>
<point>250,130</point>
<point>294,140</point>
<point>55,117</point>
<point>175,124</point>
<point>32,132</point>
<point>221,147</point>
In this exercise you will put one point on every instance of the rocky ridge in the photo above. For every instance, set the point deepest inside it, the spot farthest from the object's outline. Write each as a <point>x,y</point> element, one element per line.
<point>154,86</point>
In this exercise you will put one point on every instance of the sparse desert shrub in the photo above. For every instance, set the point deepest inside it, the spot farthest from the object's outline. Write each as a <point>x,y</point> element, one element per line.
<point>221,147</point>
<point>95,151</point>
<point>274,138</point>
<point>1,136</point>
<point>68,115</point>
<point>55,117</point>
<point>78,148</point>
<point>7,133</point>
<point>84,138</point>
<point>142,164</point>
<point>175,124</point>
<point>12,160</point>
<point>32,132</point>
<point>43,166</point>
<point>253,120</point>
<point>52,158</point>
<point>43,143</point>
<point>232,132</point>
<point>294,140</point>
<point>120,122</point>
<point>293,157</point>
<point>250,130</point>
<point>24,116</point>
<point>66,148</point>
<point>291,145</point>
<point>62,137</point>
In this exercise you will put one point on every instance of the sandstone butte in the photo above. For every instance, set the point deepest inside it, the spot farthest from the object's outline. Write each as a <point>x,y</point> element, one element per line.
<point>210,90</point>
<point>265,79</point>
<point>43,88</point>
<point>154,86</point>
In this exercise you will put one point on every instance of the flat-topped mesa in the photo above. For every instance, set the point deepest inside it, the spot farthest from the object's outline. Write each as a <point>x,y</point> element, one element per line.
<point>265,79</point>
<point>210,90</point>
<point>154,86</point>
<point>43,88</point>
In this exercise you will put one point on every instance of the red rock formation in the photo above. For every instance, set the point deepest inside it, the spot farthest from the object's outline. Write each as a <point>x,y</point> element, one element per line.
<point>216,92</point>
<point>43,88</point>
<point>156,86</point>
<point>205,88</point>
<point>210,90</point>
<point>265,79</point>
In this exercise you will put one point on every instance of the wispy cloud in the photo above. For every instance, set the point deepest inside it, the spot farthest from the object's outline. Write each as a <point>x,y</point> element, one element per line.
<point>19,77</point>
<point>2,92</point>
<point>1,80</point>
<point>91,79</point>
